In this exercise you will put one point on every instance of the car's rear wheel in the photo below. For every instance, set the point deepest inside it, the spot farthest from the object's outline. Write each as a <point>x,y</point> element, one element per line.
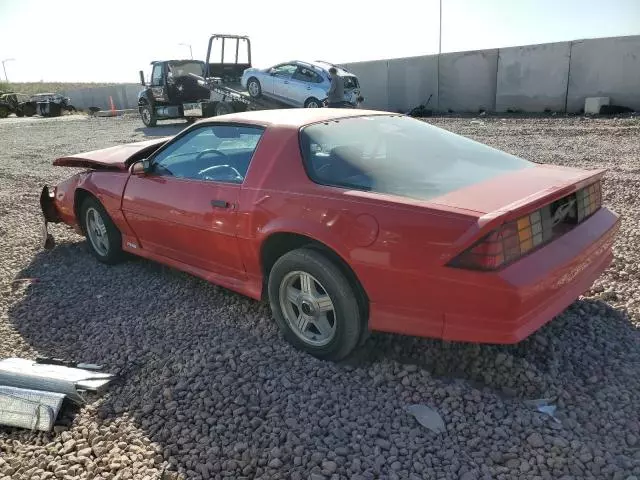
<point>254,88</point>
<point>147,115</point>
<point>104,239</point>
<point>4,111</point>
<point>314,304</point>
<point>313,103</point>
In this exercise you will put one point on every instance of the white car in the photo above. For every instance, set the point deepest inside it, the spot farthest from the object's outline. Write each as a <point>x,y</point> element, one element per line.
<point>299,84</point>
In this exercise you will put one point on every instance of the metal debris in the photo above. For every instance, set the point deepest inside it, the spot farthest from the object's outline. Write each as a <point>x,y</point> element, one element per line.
<point>22,373</point>
<point>31,409</point>
<point>427,417</point>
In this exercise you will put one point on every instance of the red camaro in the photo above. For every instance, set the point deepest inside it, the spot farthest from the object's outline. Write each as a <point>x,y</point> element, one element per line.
<point>349,221</point>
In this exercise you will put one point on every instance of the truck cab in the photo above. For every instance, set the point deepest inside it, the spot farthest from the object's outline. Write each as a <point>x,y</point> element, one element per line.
<point>193,89</point>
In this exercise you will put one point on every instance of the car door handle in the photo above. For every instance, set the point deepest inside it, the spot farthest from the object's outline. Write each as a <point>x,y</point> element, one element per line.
<point>220,204</point>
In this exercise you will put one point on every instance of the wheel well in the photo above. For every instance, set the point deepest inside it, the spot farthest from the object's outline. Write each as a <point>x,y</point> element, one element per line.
<point>80,195</point>
<point>278,244</point>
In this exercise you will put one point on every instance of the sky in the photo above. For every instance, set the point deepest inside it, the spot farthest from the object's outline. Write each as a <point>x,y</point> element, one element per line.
<point>110,41</point>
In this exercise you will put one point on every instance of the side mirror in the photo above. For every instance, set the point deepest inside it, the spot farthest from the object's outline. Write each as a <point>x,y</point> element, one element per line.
<point>141,167</point>
<point>142,82</point>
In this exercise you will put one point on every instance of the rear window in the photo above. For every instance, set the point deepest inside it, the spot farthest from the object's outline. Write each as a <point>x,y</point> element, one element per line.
<point>399,155</point>
<point>350,82</point>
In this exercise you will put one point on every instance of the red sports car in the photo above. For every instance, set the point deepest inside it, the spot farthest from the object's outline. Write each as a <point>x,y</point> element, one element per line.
<point>349,221</point>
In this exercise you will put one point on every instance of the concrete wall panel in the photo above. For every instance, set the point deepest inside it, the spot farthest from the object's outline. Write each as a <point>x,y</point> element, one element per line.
<point>411,81</point>
<point>124,96</point>
<point>468,81</point>
<point>533,78</point>
<point>605,67</point>
<point>374,82</point>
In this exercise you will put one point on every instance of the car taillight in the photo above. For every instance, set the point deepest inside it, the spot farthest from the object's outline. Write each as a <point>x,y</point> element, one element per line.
<point>589,200</point>
<point>519,237</point>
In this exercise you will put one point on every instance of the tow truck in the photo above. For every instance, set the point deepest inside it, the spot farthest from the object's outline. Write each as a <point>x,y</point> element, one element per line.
<point>193,89</point>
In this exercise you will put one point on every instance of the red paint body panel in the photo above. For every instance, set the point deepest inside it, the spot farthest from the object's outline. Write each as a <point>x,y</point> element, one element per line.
<point>398,248</point>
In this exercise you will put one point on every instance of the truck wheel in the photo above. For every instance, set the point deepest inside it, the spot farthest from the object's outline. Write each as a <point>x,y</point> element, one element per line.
<point>314,304</point>
<point>4,111</point>
<point>223,108</point>
<point>313,103</point>
<point>254,88</point>
<point>147,115</point>
<point>19,113</point>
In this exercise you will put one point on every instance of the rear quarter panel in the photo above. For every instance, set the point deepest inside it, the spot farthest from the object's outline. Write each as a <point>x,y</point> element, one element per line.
<point>396,250</point>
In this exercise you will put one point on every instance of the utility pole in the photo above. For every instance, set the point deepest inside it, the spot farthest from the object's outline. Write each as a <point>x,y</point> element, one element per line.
<point>190,51</point>
<point>439,52</point>
<point>5,69</point>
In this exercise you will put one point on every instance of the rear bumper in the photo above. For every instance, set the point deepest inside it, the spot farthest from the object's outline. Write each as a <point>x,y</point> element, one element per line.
<point>530,293</point>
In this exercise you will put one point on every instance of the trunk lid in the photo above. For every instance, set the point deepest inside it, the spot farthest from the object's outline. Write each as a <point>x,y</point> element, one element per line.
<point>118,157</point>
<point>519,190</point>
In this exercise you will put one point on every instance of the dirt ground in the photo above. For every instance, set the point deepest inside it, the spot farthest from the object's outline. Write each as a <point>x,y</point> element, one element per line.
<point>207,388</point>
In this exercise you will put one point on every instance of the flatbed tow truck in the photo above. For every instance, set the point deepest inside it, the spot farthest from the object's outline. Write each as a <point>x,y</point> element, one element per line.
<point>192,89</point>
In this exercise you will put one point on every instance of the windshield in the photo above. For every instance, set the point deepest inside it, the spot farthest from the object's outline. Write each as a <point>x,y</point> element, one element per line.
<point>399,155</point>
<point>183,69</point>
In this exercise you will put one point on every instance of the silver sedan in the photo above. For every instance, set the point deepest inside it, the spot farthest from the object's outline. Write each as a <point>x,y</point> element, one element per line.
<point>299,84</point>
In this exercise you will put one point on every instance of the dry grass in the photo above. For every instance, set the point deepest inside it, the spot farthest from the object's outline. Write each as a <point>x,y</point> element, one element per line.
<point>31,88</point>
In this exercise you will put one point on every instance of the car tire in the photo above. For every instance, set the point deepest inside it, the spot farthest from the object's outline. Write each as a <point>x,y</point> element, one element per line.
<point>4,112</point>
<point>148,117</point>
<point>254,88</point>
<point>312,103</point>
<point>98,227</point>
<point>328,290</point>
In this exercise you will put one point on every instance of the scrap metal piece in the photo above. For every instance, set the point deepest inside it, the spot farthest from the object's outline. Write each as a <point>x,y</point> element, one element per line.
<point>22,373</point>
<point>33,409</point>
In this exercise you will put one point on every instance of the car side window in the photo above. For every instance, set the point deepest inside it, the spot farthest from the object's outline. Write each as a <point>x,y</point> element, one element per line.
<point>286,70</point>
<point>156,75</point>
<point>307,75</point>
<point>219,153</point>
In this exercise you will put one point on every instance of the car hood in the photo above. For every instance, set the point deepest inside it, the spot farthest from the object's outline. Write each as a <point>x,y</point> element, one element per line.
<point>113,158</point>
<point>519,189</point>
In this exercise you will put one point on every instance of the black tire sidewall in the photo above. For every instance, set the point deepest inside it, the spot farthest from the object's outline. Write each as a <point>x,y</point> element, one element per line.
<point>113,234</point>
<point>152,119</point>
<point>312,100</point>
<point>341,292</point>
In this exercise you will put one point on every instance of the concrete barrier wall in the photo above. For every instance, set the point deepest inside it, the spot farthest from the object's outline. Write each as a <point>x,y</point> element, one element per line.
<point>530,78</point>
<point>468,81</point>
<point>124,96</point>
<point>605,67</point>
<point>411,81</point>
<point>533,78</point>
<point>374,79</point>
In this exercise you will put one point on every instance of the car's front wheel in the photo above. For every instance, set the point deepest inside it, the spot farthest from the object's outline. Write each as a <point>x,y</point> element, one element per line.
<point>314,304</point>
<point>104,239</point>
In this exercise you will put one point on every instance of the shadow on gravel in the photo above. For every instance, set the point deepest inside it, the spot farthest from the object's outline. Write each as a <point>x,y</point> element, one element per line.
<point>207,377</point>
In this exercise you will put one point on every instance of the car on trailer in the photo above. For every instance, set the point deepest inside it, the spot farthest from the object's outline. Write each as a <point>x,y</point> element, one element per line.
<point>349,221</point>
<point>300,84</point>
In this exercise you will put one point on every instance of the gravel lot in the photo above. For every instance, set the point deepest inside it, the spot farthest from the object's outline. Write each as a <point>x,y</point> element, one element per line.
<point>208,389</point>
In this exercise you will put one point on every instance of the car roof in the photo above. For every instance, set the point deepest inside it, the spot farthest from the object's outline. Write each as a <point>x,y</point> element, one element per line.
<point>293,117</point>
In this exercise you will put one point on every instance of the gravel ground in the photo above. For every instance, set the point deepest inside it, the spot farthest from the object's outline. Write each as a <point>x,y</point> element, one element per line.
<point>208,389</point>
